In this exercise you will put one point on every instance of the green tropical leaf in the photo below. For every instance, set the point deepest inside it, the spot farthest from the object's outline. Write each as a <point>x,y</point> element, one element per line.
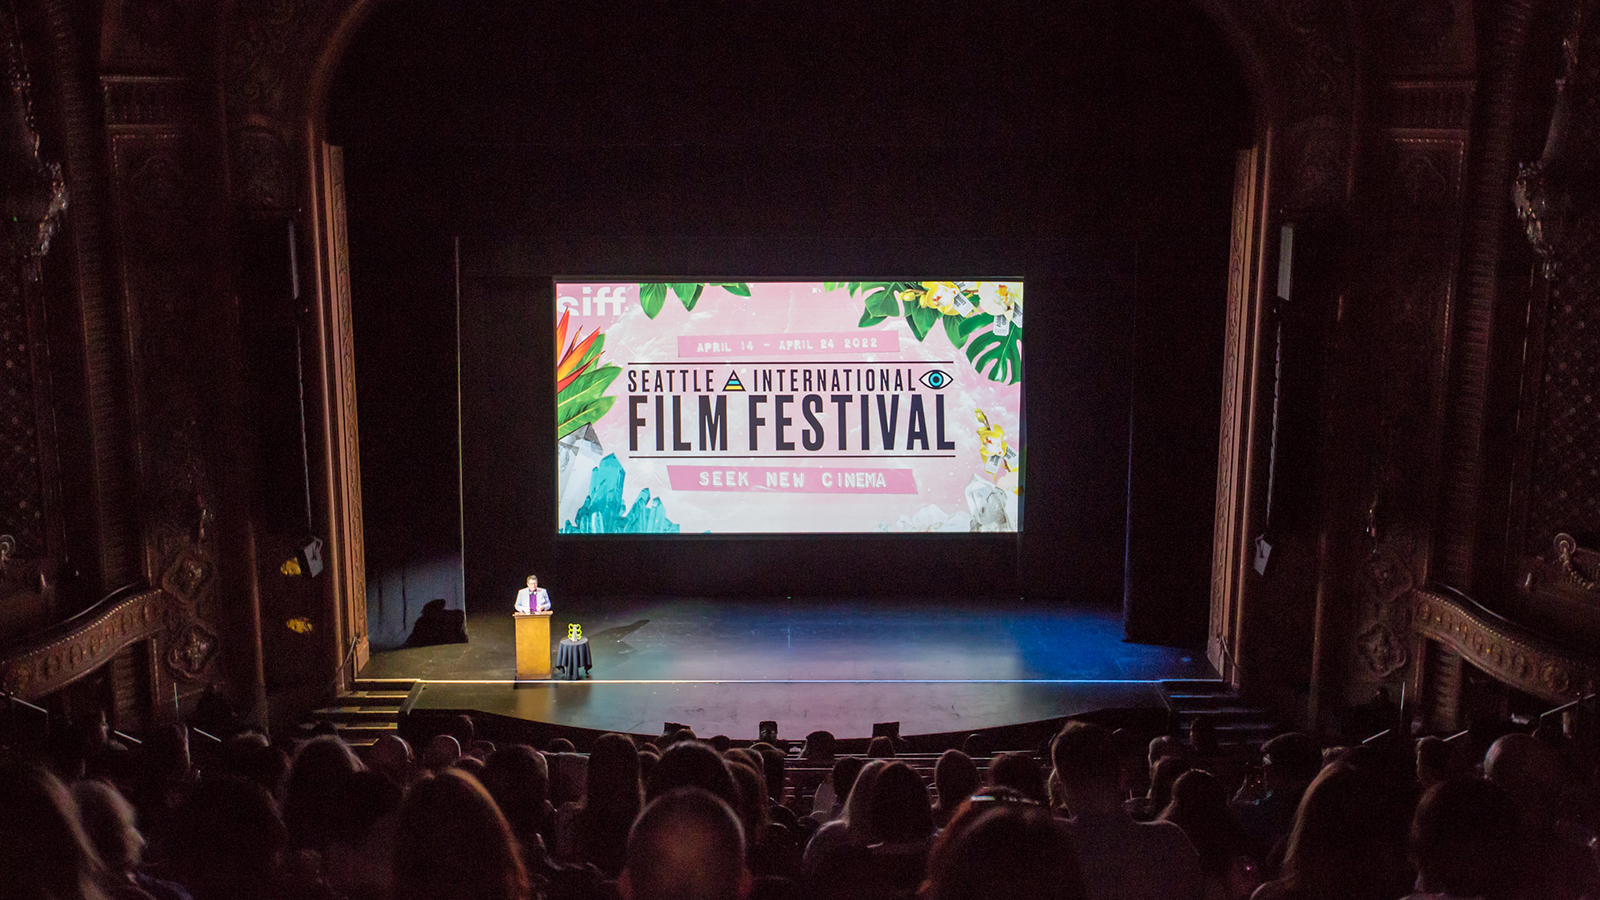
<point>881,301</point>
<point>868,319</point>
<point>853,286</point>
<point>688,294</point>
<point>586,387</point>
<point>738,289</point>
<point>996,357</point>
<point>651,297</point>
<point>922,320</point>
<point>978,344</point>
<point>829,287</point>
<point>959,329</point>
<point>587,416</point>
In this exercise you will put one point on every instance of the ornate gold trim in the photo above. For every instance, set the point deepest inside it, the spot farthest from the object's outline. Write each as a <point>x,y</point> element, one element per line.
<point>62,655</point>
<point>1567,547</point>
<point>1505,650</point>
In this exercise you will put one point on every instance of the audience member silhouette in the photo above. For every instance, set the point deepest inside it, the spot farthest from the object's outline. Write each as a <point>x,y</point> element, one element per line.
<point>452,843</point>
<point>518,778</point>
<point>1555,866</point>
<point>1344,844</point>
<point>1020,772</point>
<point>773,769</point>
<point>311,789</point>
<point>111,825</point>
<point>1121,859</point>
<point>1436,762</point>
<point>1163,746</point>
<point>442,752</point>
<point>900,812</point>
<point>690,763</point>
<point>840,780</point>
<point>853,828</point>
<point>471,765</point>
<point>648,758</point>
<point>819,747</point>
<point>880,747</point>
<point>1289,762</point>
<point>902,823</point>
<point>955,777</point>
<point>568,771</point>
<point>686,844</point>
<point>1162,775</point>
<point>391,756</point>
<point>1465,841</point>
<point>228,842</point>
<point>1003,851</point>
<point>44,853</point>
<point>356,858</point>
<point>1199,806</point>
<point>612,800</point>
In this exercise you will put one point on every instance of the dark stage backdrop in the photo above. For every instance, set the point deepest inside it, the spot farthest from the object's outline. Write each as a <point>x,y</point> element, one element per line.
<point>1087,147</point>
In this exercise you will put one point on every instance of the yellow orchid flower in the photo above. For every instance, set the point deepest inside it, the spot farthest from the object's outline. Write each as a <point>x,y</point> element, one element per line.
<point>912,295</point>
<point>991,438</point>
<point>999,460</point>
<point>942,295</point>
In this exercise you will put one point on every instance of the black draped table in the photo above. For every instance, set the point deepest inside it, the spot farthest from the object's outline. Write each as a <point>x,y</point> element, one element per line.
<point>573,655</point>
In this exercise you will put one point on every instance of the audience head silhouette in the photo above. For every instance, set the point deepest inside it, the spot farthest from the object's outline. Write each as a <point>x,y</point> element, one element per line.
<point>1086,765</point>
<point>229,840</point>
<point>1001,851</point>
<point>686,844</point>
<point>518,778</point>
<point>1462,838</point>
<point>44,854</point>
<point>1020,772</point>
<point>955,776</point>
<point>900,810</point>
<point>690,763</point>
<point>454,844</point>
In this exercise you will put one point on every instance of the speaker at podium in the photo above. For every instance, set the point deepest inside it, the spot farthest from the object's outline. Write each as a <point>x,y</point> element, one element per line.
<point>533,645</point>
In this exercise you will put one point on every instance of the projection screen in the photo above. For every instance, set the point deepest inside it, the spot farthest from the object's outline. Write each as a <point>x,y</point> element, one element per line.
<point>766,407</point>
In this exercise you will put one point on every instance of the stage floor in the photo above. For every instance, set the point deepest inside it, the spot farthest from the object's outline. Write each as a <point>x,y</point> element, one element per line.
<point>722,666</point>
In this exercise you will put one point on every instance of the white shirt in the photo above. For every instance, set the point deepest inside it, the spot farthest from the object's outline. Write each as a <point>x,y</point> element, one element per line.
<point>541,596</point>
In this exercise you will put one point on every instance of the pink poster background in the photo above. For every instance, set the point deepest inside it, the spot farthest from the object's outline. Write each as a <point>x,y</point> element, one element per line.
<point>718,332</point>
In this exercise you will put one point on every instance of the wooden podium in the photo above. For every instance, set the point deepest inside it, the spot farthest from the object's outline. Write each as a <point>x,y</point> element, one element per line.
<point>533,645</point>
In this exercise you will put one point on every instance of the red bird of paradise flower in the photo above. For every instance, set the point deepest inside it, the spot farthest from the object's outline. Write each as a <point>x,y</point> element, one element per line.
<point>575,358</point>
<point>581,380</point>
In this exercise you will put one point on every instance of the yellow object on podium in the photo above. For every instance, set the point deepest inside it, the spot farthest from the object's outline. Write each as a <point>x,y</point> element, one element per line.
<point>533,645</point>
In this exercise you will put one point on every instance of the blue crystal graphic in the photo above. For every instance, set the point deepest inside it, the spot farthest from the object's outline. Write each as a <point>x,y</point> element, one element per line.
<point>603,511</point>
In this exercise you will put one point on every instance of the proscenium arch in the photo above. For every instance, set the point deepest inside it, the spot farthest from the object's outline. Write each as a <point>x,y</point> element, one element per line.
<point>1263,39</point>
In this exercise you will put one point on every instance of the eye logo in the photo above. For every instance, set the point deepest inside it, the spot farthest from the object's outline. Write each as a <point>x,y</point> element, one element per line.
<point>936,379</point>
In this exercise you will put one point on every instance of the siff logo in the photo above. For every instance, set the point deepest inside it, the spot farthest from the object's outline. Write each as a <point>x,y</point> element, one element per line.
<point>595,305</point>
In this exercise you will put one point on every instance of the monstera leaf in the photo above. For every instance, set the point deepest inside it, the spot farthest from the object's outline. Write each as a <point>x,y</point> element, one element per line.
<point>994,332</point>
<point>999,357</point>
